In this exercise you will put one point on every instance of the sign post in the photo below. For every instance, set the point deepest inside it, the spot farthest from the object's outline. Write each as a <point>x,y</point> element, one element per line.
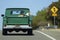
<point>54,14</point>
<point>54,20</point>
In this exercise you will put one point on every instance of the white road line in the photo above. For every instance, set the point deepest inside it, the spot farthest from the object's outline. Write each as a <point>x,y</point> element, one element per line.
<point>46,35</point>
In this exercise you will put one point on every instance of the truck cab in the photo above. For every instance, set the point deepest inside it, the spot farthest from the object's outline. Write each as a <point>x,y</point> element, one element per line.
<point>17,19</point>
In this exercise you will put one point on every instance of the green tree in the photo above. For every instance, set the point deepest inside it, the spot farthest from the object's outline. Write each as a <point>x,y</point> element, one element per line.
<point>40,18</point>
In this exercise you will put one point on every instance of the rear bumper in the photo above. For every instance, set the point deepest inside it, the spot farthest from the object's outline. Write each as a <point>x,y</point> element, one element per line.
<point>16,27</point>
<point>19,28</point>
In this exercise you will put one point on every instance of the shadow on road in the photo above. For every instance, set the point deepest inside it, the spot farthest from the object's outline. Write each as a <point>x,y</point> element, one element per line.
<point>19,35</point>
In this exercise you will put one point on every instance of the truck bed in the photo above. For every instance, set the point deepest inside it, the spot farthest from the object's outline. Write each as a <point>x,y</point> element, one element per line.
<point>17,20</point>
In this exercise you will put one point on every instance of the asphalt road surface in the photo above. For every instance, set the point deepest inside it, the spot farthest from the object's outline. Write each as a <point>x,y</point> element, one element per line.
<point>54,33</point>
<point>38,35</point>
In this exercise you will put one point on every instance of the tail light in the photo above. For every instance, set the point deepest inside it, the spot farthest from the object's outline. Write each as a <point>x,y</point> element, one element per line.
<point>4,25</point>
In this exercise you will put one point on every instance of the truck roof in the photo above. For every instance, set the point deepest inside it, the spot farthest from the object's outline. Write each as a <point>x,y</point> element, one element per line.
<point>17,8</point>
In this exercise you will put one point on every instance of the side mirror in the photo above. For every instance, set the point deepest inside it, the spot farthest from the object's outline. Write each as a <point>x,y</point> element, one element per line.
<point>2,15</point>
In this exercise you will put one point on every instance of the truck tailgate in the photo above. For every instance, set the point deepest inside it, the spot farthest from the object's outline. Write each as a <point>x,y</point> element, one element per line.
<point>17,20</point>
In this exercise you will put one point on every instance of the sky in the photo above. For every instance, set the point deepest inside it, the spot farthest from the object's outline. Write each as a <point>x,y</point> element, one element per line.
<point>33,5</point>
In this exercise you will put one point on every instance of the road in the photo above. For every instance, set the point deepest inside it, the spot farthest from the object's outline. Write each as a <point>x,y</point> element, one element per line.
<point>38,35</point>
<point>54,33</point>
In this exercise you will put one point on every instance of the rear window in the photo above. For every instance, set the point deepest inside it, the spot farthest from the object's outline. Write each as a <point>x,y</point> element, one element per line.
<point>16,12</point>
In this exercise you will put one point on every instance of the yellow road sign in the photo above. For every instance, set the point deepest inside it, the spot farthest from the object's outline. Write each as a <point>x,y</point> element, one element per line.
<point>54,14</point>
<point>54,9</point>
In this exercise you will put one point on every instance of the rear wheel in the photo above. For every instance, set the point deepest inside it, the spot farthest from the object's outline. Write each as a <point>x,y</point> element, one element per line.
<point>4,32</point>
<point>30,32</point>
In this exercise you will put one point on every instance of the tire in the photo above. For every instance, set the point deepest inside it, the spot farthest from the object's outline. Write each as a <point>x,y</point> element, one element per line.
<point>4,32</point>
<point>30,32</point>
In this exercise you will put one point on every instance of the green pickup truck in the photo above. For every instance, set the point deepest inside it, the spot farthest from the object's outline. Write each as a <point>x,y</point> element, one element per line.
<point>17,19</point>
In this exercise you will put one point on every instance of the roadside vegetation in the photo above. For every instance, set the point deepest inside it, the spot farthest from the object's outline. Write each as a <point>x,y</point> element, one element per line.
<point>44,16</point>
